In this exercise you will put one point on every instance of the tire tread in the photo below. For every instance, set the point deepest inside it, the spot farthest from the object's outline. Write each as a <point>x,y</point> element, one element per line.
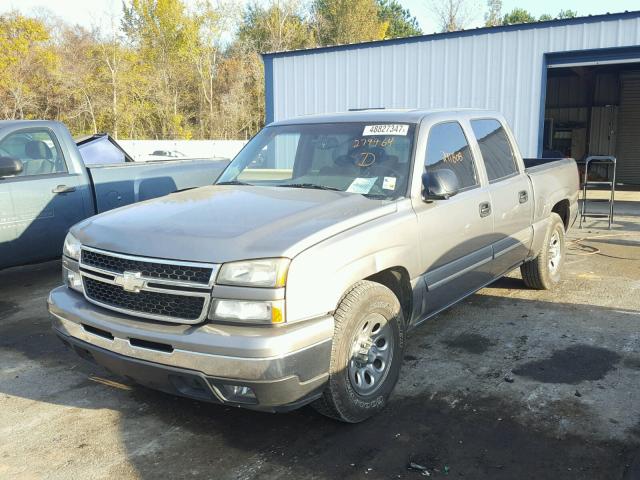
<point>535,272</point>
<point>329,403</point>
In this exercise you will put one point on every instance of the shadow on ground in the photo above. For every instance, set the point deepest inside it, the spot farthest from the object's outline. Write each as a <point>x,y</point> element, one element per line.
<point>484,427</point>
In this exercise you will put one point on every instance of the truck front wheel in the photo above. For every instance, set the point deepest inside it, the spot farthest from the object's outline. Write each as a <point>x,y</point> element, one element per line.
<point>367,351</point>
<point>543,272</point>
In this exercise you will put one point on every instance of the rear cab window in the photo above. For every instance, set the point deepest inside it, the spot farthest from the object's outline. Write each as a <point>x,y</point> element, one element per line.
<point>496,149</point>
<point>100,151</point>
<point>448,148</point>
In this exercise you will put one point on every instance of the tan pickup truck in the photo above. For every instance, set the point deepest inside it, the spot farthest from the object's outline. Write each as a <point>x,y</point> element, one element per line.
<point>298,277</point>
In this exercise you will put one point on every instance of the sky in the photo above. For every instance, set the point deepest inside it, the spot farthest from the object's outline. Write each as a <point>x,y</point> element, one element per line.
<point>420,9</point>
<point>91,13</point>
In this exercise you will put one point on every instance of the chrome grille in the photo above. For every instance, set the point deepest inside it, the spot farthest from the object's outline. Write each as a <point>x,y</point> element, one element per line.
<point>165,290</point>
<point>148,269</point>
<point>154,303</point>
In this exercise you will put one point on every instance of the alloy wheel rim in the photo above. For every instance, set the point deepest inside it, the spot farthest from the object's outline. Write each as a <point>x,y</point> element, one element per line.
<point>371,354</point>
<point>555,252</point>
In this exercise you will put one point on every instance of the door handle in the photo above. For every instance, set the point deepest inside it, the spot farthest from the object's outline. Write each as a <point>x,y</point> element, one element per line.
<point>63,189</point>
<point>523,196</point>
<point>485,209</point>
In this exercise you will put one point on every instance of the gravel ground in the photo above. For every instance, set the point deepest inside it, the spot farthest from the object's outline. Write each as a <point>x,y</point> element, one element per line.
<point>511,383</point>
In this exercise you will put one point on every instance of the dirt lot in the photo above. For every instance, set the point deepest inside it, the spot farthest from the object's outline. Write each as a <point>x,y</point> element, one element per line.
<point>511,383</point>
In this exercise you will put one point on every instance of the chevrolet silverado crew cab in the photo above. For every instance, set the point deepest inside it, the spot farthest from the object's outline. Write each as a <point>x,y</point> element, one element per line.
<point>297,277</point>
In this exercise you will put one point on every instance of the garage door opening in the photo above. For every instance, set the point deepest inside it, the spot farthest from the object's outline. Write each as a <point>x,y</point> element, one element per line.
<point>595,110</point>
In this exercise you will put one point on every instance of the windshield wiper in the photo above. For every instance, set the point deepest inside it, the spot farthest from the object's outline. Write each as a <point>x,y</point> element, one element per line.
<point>233,182</point>
<point>376,196</point>
<point>309,185</point>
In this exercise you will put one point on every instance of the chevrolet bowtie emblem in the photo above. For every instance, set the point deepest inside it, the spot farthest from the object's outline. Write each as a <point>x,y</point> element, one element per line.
<point>130,281</point>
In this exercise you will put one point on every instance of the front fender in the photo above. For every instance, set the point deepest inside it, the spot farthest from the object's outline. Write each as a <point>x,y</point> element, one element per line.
<point>319,276</point>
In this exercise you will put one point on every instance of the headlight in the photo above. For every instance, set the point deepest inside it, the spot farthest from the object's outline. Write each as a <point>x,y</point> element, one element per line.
<point>71,247</point>
<point>268,272</point>
<point>72,279</point>
<point>249,311</point>
<point>71,275</point>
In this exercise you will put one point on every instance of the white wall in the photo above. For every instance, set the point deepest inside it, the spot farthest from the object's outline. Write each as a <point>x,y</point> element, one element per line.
<point>141,150</point>
<point>498,69</point>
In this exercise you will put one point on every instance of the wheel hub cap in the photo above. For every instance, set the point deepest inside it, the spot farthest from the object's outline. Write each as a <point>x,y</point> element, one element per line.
<point>371,354</point>
<point>555,252</point>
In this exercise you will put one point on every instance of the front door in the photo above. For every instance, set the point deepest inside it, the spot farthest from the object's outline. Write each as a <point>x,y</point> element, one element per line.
<point>46,199</point>
<point>455,234</point>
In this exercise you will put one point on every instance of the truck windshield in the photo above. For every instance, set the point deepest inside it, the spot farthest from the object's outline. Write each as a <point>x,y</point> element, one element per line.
<point>373,159</point>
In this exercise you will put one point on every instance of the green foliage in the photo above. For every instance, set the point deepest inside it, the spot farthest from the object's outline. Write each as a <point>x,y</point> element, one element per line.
<point>401,22</point>
<point>348,21</point>
<point>171,68</point>
<point>567,14</point>
<point>518,15</point>
<point>276,27</point>
<point>25,51</point>
<point>166,36</point>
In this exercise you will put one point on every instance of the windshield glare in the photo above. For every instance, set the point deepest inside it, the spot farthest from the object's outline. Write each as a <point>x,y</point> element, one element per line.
<point>372,159</point>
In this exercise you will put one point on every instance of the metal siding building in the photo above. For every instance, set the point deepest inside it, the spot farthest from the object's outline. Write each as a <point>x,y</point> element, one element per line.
<point>502,68</point>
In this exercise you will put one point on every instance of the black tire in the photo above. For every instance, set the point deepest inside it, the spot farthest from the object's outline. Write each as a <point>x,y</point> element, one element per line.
<point>539,272</point>
<point>364,301</point>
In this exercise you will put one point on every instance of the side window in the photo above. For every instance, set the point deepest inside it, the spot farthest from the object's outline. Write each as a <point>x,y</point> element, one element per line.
<point>447,147</point>
<point>37,149</point>
<point>495,147</point>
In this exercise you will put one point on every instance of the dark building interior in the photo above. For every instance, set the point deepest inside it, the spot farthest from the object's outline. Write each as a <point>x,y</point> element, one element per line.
<point>595,110</point>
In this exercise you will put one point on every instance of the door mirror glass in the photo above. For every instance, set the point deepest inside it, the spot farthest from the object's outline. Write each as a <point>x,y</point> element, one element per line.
<point>439,184</point>
<point>10,166</point>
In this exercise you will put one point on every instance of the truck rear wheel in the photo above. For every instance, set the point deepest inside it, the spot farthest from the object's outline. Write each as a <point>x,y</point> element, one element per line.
<point>544,271</point>
<point>367,351</point>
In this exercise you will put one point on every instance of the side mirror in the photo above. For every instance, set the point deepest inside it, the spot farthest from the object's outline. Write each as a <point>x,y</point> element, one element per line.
<point>10,166</point>
<point>439,184</point>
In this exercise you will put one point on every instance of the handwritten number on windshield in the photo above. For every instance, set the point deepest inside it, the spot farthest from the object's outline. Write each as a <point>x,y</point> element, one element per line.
<point>372,142</point>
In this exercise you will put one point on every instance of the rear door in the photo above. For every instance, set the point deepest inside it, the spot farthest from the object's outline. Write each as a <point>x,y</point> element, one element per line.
<point>455,235</point>
<point>46,199</point>
<point>511,196</point>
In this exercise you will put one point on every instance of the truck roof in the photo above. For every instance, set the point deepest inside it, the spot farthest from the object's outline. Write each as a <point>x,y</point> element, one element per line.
<point>26,123</point>
<point>386,115</point>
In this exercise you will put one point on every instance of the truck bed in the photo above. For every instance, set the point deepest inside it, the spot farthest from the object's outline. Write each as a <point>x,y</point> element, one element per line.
<point>553,179</point>
<point>530,163</point>
<point>125,183</point>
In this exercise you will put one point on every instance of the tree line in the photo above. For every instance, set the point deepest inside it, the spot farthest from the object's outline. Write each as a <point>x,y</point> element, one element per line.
<point>169,69</point>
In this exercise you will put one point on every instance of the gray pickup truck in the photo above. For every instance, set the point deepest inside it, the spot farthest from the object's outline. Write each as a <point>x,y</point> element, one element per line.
<point>48,183</point>
<point>297,277</point>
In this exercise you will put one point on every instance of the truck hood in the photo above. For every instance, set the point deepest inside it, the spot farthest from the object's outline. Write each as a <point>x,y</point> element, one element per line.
<point>225,223</point>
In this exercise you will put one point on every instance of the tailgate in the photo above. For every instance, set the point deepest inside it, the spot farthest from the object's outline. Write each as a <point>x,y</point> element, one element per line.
<point>553,181</point>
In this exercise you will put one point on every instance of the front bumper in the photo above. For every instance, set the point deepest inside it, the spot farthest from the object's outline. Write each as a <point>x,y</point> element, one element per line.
<point>285,366</point>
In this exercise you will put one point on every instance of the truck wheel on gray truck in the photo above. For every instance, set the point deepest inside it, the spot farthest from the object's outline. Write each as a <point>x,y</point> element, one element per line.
<point>368,346</point>
<point>544,271</point>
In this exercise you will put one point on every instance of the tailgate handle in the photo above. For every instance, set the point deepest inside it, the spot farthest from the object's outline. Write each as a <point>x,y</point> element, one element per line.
<point>485,209</point>
<point>523,196</point>
<point>63,189</point>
